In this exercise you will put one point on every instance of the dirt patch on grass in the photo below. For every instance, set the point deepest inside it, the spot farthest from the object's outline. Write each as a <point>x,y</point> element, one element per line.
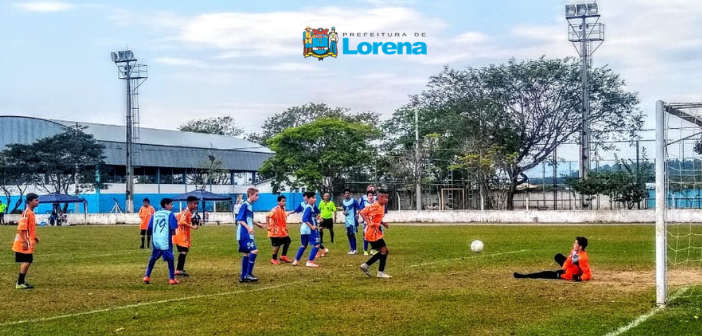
<point>641,280</point>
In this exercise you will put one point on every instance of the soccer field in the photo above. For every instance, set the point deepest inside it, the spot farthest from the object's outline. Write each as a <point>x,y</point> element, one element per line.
<point>88,281</point>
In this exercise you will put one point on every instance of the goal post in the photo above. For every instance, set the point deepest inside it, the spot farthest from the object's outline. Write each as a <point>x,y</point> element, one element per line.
<point>661,232</point>
<point>678,201</point>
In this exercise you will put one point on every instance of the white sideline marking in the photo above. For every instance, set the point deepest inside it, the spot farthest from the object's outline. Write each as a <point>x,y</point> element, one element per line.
<point>465,258</point>
<point>644,317</point>
<point>136,305</point>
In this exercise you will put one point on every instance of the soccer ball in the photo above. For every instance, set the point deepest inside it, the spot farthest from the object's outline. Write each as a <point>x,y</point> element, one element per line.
<point>477,246</point>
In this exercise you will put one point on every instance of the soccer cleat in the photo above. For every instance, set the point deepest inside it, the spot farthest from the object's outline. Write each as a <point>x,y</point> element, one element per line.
<point>311,264</point>
<point>366,269</point>
<point>244,280</point>
<point>24,286</point>
<point>383,275</point>
<point>326,250</point>
<point>182,273</point>
<point>147,280</point>
<point>141,247</point>
<point>285,259</point>
<point>352,252</point>
<point>518,275</point>
<point>373,252</point>
<point>173,282</point>
<point>251,278</point>
<point>275,262</point>
<point>295,263</point>
<point>365,253</point>
<point>317,256</point>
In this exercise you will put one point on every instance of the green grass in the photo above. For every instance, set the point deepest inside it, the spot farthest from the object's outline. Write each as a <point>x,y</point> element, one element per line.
<point>438,287</point>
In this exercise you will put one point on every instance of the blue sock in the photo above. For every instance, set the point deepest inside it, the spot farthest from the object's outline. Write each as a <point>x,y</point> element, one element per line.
<point>150,267</point>
<point>365,245</point>
<point>171,269</point>
<point>353,242</point>
<point>313,253</point>
<point>244,266</point>
<point>252,261</point>
<point>300,251</point>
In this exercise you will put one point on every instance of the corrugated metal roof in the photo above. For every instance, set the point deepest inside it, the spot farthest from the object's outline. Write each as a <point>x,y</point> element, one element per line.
<point>183,157</point>
<point>153,136</point>
<point>156,147</point>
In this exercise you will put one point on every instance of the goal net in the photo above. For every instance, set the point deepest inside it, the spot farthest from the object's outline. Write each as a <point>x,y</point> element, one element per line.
<point>678,201</point>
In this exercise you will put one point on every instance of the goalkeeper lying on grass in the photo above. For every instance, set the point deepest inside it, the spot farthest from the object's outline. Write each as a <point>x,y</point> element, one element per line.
<point>575,267</point>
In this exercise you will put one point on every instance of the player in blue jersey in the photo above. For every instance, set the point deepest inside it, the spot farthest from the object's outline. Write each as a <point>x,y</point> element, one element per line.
<point>316,212</point>
<point>366,200</point>
<point>161,228</point>
<point>308,232</point>
<point>245,236</point>
<point>351,208</point>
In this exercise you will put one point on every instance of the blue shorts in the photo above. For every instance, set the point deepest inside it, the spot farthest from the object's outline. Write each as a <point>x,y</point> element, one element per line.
<point>247,245</point>
<point>166,254</point>
<point>309,239</point>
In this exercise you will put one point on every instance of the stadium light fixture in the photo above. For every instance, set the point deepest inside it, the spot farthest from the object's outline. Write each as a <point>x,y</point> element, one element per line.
<point>587,34</point>
<point>134,75</point>
<point>592,9</point>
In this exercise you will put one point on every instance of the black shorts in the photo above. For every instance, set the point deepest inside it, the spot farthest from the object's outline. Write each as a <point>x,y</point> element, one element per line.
<point>327,223</point>
<point>378,244</point>
<point>143,232</point>
<point>280,241</point>
<point>182,248</point>
<point>24,257</point>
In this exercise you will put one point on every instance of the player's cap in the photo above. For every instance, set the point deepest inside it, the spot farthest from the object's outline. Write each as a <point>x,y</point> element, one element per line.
<point>308,28</point>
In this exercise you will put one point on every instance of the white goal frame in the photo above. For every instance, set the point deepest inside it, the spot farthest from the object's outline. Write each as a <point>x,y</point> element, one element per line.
<point>678,110</point>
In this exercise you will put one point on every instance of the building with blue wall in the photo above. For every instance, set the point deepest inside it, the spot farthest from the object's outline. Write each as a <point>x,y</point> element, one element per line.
<point>166,162</point>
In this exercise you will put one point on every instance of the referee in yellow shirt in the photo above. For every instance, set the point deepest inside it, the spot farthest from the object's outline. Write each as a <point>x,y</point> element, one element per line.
<point>327,208</point>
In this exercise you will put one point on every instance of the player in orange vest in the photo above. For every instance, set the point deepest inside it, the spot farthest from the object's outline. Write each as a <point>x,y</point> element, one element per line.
<point>145,214</point>
<point>373,216</point>
<point>278,231</point>
<point>25,240</point>
<point>575,267</point>
<point>181,239</point>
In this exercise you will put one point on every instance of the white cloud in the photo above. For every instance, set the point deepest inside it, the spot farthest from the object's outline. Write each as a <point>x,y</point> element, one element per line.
<point>471,37</point>
<point>44,6</point>
<point>176,61</point>
<point>277,34</point>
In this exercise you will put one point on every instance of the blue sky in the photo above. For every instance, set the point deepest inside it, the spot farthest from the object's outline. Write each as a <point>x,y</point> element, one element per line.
<point>243,58</point>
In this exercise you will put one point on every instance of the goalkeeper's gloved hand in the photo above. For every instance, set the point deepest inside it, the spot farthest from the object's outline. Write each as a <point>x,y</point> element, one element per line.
<point>576,278</point>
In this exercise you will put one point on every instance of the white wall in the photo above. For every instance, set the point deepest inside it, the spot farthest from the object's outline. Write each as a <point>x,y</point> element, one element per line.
<point>459,216</point>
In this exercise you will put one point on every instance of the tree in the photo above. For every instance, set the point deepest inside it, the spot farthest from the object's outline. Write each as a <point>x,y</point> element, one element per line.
<point>210,171</point>
<point>59,161</point>
<point>219,125</point>
<point>526,109</point>
<point>318,154</point>
<point>626,183</point>
<point>15,178</point>
<point>305,114</point>
<point>407,167</point>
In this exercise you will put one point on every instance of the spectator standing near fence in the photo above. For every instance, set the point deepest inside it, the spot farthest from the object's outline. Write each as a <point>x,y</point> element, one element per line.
<point>3,207</point>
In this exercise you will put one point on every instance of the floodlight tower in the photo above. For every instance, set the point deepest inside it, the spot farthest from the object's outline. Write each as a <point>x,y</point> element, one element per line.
<point>587,34</point>
<point>134,75</point>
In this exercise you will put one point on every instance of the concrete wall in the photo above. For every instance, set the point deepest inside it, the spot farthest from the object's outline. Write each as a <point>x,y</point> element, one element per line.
<point>459,216</point>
